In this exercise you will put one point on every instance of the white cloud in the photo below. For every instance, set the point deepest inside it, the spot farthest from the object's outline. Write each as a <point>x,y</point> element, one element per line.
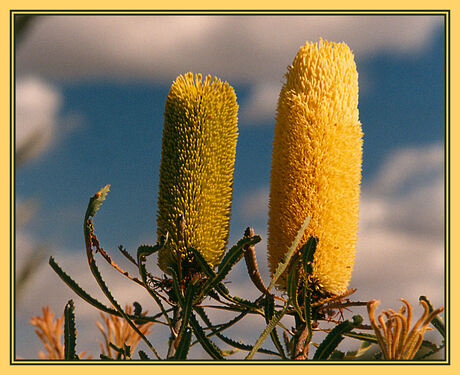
<point>410,164</point>
<point>401,244</point>
<point>241,49</point>
<point>254,205</point>
<point>37,106</point>
<point>262,102</point>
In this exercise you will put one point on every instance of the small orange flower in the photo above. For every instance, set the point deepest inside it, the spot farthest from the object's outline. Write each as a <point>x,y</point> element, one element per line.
<point>394,336</point>
<point>50,331</point>
<point>117,331</point>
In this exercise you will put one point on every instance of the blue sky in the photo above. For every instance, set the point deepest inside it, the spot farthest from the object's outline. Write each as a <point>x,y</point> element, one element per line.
<point>98,87</point>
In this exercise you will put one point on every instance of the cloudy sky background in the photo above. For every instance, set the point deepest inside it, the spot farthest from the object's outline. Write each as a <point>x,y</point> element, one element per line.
<point>90,94</point>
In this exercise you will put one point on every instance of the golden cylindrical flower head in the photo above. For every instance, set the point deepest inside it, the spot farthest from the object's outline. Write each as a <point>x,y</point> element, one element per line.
<point>316,163</point>
<point>196,173</point>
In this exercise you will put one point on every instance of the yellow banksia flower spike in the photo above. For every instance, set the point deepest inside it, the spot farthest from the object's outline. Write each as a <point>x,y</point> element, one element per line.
<point>316,162</point>
<point>196,173</point>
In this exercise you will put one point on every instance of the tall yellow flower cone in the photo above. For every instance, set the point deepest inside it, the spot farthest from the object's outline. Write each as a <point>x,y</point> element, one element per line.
<point>196,173</point>
<point>316,163</point>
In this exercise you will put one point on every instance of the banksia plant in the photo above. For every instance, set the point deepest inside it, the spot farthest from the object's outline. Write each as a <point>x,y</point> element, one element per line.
<point>313,224</point>
<point>316,163</point>
<point>196,173</point>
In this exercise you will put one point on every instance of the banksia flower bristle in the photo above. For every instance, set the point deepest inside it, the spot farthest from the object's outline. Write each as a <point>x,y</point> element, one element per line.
<point>196,173</point>
<point>316,163</point>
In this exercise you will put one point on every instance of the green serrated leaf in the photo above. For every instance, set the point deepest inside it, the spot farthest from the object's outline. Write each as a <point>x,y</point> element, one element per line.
<point>354,354</point>
<point>337,355</point>
<point>207,344</point>
<point>142,252</point>
<point>432,349</point>
<point>187,309</point>
<point>92,301</point>
<point>143,356</point>
<point>80,291</point>
<point>117,306</point>
<point>269,312</point>
<point>291,251</point>
<point>270,326</point>
<point>183,346</point>
<point>88,234</point>
<point>220,288</point>
<point>291,287</point>
<point>362,336</point>
<point>335,337</point>
<point>96,200</point>
<point>227,340</point>
<point>308,251</point>
<point>307,312</point>
<point>232,257</point>
<point>70,332</point>
<point>228,258</point>
<point>146,250</point>
<point>176,288</point>
<point>104,357</point>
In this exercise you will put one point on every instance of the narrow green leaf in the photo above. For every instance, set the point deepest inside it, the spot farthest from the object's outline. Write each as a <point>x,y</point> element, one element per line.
<point>351,355</point>
<point>142,252</point>
<point>143,356</point>
<point>207,344</point>
<point>234,251</point>
<point>187,309</point>
<point>78,290</point>
<point>70,332</point>
<point>362,336</point>
<point>365,346</point>
<point>219,287</point>
<point>431,351</point>
<point>146,250</point>
<point>72,284</point>
<point>337,355</point>
<point>117,306</point>
<point>288,343</point>
<point>308,252</point>
<point>96,200</point>
<point>291,251</point>
<point>307,311</point>
<point>176,288</point>
<point>243,346</point>
<point>205,267</point>
<point>104,357</point>
<point>93,206</point>
<point>227,340</point>
<point>183,346</point>
<point>270,326</point>
<point>232,257</point>
<point>292,286</point>
<point>335,337</point>
<point>269,312</point>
